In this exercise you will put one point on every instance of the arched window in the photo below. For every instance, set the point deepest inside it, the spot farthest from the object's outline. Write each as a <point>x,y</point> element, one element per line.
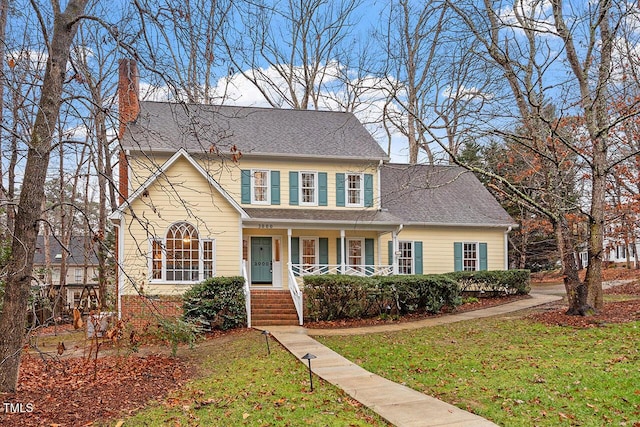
<point>182,256</point>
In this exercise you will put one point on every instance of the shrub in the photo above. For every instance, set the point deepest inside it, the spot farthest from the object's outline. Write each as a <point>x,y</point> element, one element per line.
<point>335,296</point>
<point>177,331</point>
<point>495,282</point>
<point>217,303</point>
<point>420,293</point>
<point>331,297</point>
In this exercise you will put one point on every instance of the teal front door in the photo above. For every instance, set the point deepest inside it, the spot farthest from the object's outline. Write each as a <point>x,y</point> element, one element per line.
<point>261,269</point>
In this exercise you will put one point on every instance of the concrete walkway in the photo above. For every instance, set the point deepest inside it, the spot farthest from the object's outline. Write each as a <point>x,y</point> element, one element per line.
<point>398,404</point>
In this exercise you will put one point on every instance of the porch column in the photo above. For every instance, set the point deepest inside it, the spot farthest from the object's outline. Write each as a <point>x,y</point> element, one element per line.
<point>394,249</point>
<point>343,249</point>
<point>288,248</point>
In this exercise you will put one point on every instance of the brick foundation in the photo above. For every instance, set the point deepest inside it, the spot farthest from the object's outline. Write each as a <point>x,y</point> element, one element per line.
<point>143,311</point>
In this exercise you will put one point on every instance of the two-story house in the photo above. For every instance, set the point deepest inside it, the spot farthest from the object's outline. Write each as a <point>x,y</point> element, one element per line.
<point>78,277</point>
<point>274,194</point>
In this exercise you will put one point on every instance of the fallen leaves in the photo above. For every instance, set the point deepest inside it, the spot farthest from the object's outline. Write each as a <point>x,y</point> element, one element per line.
<point>64,392</point>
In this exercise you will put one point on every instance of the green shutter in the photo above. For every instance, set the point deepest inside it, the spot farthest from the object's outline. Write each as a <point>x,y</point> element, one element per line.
<point>417,257</point>
<point>368,190</point>
<point>293,188</point>
<point>245,186</point>
<point>275,187</point>
<point>369,260</point>
<point>339,189</point>
<point>322,188</point>
<point>338,251</point>
<point>295,250</point>
<point>457,256</point>
<point>483,256</point>
<point>323,257</point>
<point>390,252</point>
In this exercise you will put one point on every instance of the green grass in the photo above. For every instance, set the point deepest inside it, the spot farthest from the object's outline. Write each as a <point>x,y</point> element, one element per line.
<point>239,384</point>
<point>514,372</point>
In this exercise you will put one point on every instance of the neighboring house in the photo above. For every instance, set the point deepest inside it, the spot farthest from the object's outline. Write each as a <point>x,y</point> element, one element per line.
<point>276,194</point>
<point>81,279</point>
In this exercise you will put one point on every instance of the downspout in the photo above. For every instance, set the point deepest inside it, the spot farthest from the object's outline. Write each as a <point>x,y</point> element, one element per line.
<point>379,203</point>
<point>119,270</point>
<point>506,248</point>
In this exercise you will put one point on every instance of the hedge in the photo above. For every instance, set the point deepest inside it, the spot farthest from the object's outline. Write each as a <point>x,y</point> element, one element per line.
<point>505,282</point>
<point>331,297</point>
<point>217,303</point>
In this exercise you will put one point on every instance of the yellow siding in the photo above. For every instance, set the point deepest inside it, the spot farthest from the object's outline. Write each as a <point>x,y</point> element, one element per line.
<point>438,245</point>
<point>227,174</point>
<point>182,194</point>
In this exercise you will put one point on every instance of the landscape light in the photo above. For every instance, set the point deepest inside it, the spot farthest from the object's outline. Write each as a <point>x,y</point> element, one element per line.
<point>308,358</point>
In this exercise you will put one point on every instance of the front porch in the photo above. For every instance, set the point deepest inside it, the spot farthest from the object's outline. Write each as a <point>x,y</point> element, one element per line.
<point>269,305</point>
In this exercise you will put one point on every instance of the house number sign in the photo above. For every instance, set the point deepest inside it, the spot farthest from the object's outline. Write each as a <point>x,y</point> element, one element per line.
<point>265,225</point>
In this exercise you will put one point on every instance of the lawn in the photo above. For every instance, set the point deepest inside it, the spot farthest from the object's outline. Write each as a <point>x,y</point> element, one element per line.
<point>240,384</point>
<point>515,371</point>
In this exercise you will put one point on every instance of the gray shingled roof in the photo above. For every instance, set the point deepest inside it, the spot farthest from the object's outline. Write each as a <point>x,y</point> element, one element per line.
<point>439,195</point>
<point>76,254</point>
<point>167,127</point>
<point>321,215</point>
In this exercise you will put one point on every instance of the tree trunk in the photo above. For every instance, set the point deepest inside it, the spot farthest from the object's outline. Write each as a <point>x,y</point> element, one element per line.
<point>20,267</point>
<point>576,290</point>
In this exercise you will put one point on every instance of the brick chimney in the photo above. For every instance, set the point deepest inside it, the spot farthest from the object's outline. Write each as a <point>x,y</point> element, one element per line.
<point>129,108</point>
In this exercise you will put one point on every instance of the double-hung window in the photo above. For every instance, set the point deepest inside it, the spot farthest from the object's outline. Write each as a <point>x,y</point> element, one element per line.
<point>182,256</point>
<point>79,275</point>
<point>405,259</point>
<point>470,257</point>
<point>355,193</point>
<point>260,187</point>
<point>309,188</point>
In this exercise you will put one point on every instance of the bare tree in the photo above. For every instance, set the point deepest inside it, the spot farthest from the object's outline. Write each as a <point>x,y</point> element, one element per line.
<point>59,37</point>
<point>288,50</point>
<point>528,43</point>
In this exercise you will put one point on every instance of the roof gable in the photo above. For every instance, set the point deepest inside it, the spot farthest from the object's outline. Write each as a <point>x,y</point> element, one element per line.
<point>440,195</point>
<point>77,254</point>
<point>197,128</point>
<point>181,153</point>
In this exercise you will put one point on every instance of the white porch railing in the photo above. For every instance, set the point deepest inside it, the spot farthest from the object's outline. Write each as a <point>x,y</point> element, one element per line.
<point>296,295</point>
<point>298,271</point>
<point>247,292</point>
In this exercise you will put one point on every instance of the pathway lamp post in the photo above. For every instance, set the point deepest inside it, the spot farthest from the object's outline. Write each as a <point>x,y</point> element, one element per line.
<point>308,358</point>
<point>266,337</point>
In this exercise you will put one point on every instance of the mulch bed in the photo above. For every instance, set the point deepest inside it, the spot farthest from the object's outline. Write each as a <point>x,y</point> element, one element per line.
<point>613,312</point>
<point>373,321</point>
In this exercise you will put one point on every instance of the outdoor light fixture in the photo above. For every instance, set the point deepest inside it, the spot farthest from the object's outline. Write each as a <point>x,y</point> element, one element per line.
<point>266,337</point>
<point>308,357</point>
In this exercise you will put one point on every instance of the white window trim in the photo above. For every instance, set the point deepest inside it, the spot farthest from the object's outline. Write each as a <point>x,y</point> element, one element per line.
<point>78,275</point>
<point>413,256</point>
<point>163,271</point>
<point>362,249</point>
<point>477,258</point>
<point>253,195</point>
<point>346,188</point>
<point>316,249</point>
<point>315,189</point>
